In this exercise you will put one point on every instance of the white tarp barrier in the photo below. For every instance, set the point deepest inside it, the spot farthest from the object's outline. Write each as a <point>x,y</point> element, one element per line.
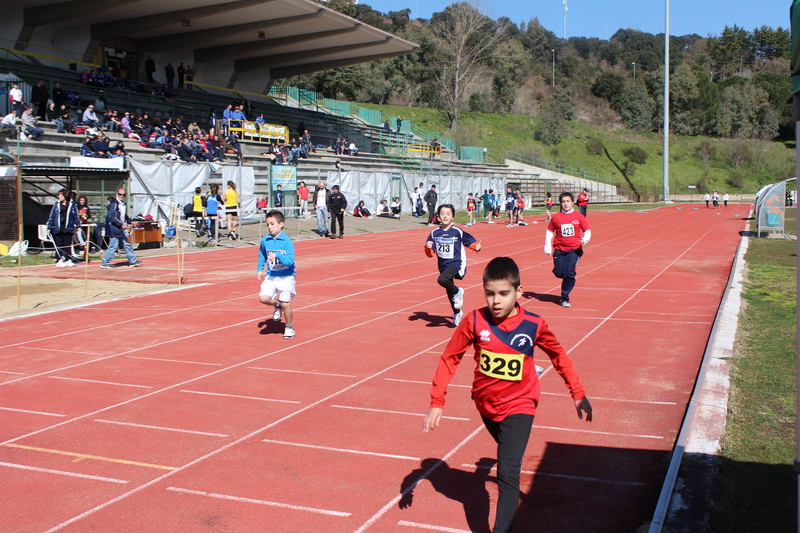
<point>245,180</point>
<point>372,187</point>
<point>165,181</point>
<point>117,163</point>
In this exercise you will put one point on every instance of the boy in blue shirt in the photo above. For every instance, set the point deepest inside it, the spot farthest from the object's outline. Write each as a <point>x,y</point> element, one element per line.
<point>449,244</point>
<point>276,253</point>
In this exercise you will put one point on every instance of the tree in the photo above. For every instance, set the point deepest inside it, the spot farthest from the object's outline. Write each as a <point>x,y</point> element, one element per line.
<point>609,85</point>
<point>465,38</point>
<point>562,104</point>
<point>551,129</point>
<point>744,111</point>
<point>637,108</point>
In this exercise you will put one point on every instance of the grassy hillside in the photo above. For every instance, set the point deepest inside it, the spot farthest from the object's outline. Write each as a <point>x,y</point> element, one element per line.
<point>731,164</point>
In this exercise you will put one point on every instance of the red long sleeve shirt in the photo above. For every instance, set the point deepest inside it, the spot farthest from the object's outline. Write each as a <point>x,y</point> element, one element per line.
<point>505,381</point>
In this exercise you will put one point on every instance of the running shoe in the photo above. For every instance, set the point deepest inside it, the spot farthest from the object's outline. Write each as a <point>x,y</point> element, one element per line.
<point>106,266</point>
<point>490,222</point>
<point>521,223</point>
<point>68,263</point>
<point>288,333</point>
<point>511,225</point>
<point>60,263</point>
<point>564,303</point>
<point>135,264</point>
<point>539,370</point>
<point>458,299</point>
<point>276,315</point>
<point>457,318</point>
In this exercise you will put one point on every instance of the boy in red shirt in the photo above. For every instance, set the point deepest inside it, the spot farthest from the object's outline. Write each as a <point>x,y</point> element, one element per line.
<point>506,385</point>
<point>566,234</point>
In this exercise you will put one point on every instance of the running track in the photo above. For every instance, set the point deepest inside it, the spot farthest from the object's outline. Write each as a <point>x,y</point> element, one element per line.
<point>187,410</point>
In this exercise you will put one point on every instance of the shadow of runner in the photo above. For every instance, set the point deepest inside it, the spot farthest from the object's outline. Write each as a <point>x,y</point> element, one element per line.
<point>433,321</point>
<point>548,298</point>
<point>271,327</point>
<point>467,488</point>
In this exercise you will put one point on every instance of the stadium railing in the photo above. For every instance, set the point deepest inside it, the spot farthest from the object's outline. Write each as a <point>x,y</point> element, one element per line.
<point>561,169</point>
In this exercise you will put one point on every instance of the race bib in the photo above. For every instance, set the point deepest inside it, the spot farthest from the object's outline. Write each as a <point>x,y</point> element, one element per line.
<point>501,365</point>
<point>445,247</point>
<point>567,230</point>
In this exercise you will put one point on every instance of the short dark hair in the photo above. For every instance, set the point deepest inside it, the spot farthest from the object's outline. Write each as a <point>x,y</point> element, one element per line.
<point>502,269</point>
<point>448,206</point>
<point>197,190</point>
<point>277,215</point>
<point>564,195</point>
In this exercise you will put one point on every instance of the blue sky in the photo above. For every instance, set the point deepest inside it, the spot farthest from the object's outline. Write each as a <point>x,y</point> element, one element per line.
<point>590,18</point>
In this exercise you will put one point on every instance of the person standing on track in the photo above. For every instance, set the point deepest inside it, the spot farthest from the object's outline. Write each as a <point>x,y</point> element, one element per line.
<point>549,206</point>
<point>583,201</point>
<point>450,244</point>
<point>232,210</point>
<point>725,198</point>
<point>566,234</point>
<point>707,198</point>
<point>430,201</point>
<point>276,254</point>
<point>506,386</point>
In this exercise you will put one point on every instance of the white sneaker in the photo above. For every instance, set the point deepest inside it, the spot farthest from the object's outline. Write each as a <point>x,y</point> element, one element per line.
<point>457,318</point>
<point>68,263</point>
<point>564,303</point>
<point>511,225</point>
<point>458,299</point>
<point>276,315</point>
<point>539,370</point>
<point>523,223</point>
<point>288,333</point>
<point>490,222</point>
<point>60,263</point>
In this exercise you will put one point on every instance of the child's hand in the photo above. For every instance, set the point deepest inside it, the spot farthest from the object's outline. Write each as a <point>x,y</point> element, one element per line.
<point>584,405</point>
<point>478,247</point>
<point>432,419</point>
<point>260,274</point>
<point>429,244</point>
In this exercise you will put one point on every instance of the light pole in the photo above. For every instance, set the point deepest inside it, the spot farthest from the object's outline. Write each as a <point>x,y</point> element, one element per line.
<point>554,67</point>
<point>634,73</point>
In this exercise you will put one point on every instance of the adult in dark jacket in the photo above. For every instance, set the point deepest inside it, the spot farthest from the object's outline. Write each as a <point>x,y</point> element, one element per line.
<point>431,198</point>
<point>149,68</point>
<point>185,152</point>
<point>117,221</point>
<point>169,72</point>
<point>59,95</point>
<point>64,221</point>
<point>39,96</point>
<point>336,206</point>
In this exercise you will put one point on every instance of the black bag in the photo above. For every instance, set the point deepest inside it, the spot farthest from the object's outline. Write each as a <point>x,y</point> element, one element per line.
<point>188,209</point>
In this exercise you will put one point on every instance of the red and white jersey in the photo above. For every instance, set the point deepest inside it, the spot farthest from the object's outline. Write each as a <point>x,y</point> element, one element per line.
<point>505,381</point>
<point>568,229</point>
<point>583,199</point>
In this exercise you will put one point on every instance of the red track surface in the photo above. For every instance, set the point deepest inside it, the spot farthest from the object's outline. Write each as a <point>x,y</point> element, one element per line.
<point>188,411</point>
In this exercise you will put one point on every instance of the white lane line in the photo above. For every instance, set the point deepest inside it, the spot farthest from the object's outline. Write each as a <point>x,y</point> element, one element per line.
<point>30,412</point>
<point>343,450</point>
<point>302,372</point>
<point>57,350</point>
<point>14,373</point>
<point>102,382</point>
<point>564,476</point>
<point>62,473</point>
<point>624,400</point>
<point>393,412</point>
<point>430,527</point>
<point>238,396</point>
<point>424,382</point>
<point>161,428</point>
<point>259,502</point>
<point>173,360</point>
<point>601,432</point>
<point>383,510</point>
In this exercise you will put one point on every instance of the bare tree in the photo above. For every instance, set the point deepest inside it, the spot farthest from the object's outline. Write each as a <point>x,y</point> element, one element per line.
<point>465,38</point>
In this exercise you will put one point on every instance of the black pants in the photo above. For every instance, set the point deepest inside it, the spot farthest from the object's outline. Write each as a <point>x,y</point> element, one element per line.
<point>431,212</point>
<point>340,217</point>
<point>63,242</point>
<point>564,266</point>
<point>446,277</point>
<point>511,435</point>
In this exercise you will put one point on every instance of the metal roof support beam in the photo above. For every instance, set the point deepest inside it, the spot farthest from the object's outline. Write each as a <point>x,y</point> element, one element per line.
<point>48,14</point>
<point>206,55</point>
<point>288,72</point>
<point>161,20</point>
<point>194,38</point>
<point>276,61</point>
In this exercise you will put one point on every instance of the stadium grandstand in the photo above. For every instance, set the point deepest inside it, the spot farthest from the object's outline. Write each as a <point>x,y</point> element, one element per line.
<point>165,68</point>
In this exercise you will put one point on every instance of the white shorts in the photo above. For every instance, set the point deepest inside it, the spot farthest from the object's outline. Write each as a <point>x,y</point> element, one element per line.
<point>281,286</point>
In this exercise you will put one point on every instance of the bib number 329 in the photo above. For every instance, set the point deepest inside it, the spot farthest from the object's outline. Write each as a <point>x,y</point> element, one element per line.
<point>501,365</point>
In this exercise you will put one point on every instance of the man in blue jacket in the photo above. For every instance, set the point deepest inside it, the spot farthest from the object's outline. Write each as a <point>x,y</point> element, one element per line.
<point>116,231</point>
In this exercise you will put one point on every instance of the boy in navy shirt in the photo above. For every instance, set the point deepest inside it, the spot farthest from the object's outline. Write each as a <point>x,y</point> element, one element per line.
<point>506,386</point>
<point>450,244</point>
<point>276,253</point>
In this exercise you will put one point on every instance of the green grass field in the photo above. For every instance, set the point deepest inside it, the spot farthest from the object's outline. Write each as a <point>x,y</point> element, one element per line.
<point>756,488</point>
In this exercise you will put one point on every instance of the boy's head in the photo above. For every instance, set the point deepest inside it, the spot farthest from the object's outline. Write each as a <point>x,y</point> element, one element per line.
<point>197,190</point>
<point>501,286</point>
<point>280,187</point>
<point>451,211</point>
<point>470,195</point>
<point>275,222</point>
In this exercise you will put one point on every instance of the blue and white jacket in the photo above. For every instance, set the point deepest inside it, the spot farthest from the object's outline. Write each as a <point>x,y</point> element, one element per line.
<point>283,248</point>
<point>73,219</point>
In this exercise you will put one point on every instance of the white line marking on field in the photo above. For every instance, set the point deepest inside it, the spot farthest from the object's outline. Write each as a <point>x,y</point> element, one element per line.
<point>259,502</point>
<point>31,412</point>
<point>302,372</point>
<point>15,373</point>
<point>577,478</point>
<point>430,527</point>
<point>238,396</point>
<point>393,412</point>
<point>615,399</point>
<point>343,450</point>
<point>62,473</point>
<point>161,427</point>
<point>57,350</point>
<point>173,360</point>
<point>103,382</point>
<point>425,382</point>
<point>601,432</point>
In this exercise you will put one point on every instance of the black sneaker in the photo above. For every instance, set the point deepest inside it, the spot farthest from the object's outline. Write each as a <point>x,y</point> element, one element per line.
<point>341,236</point>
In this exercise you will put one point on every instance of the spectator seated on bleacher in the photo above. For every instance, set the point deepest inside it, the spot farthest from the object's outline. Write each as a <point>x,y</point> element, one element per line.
<point>353,149</point>
<point>9,124</point>
<point>386,127</point>
<point>86,149</point>
<point>120,148</point>
<point>112,122</point>
<point>193,129</point>
<point>294,153</point>
<point>29,125</point>
<point>185,152</point>
<point>167,92</point>
<point>100,146</point>
<point>90,117</point>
